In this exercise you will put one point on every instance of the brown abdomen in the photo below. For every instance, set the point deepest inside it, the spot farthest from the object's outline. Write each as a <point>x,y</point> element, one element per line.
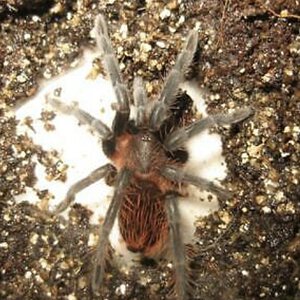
<point>142,219</point>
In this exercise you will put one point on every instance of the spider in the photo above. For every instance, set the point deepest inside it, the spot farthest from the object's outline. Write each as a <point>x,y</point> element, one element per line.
<point>147,165</point>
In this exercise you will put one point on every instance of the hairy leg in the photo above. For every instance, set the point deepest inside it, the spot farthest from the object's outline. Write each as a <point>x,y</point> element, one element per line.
<point>177,247</point>
<point>82,116</point>
<point>112,69</point>
<point>93,177</point>
<point>121,183</point>
<point>140,100</point>
<point>168,95</point>
<point>178,175</point>
<point>180,136</point>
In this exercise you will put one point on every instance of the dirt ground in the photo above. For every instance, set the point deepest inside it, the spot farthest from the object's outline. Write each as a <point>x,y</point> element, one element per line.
<point>249,56</point>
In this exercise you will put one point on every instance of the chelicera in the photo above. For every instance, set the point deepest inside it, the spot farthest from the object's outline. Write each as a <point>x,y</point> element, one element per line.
<point>147,158</point>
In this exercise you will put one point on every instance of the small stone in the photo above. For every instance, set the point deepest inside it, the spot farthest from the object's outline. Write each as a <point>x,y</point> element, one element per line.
<point>47,74</point>
<point>36,19</point>
<point>289,72</point>
<point>267,77</point>
<point>92,240</point>
<point>4,245</point>
<point>244,209</point>
<point>255,151</point>
<point>225,217</point>
<point>6,217</point>
<point>22,78</point>
<point>181,20</point>
<point>121,290</point>
<point>161,44</point>
<point>260,199</point>
<point>34,238</point>
<point>245,158</point>
<point>165,13</point>
<point>44,264</point>
<point>146,47</point>
<point>124,31</point>
<point>27,36</point>
<point>266,210</point>
<point>71,297</point>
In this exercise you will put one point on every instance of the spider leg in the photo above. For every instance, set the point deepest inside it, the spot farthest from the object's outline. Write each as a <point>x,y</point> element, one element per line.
<point>140,100</point>
<point>82,116</point>
<point>160,110</point>
<point>93,177</point>
<point>175,174</point>
<point>181,135</point>
<point>100,258</point>
<point>177,246</point>
<point>112,69</point>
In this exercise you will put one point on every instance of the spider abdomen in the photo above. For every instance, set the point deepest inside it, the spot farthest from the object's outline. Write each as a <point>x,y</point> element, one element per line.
<point>142,219</point>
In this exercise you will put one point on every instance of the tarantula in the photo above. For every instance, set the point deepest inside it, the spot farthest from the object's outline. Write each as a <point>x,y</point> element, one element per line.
<point>145,164</point>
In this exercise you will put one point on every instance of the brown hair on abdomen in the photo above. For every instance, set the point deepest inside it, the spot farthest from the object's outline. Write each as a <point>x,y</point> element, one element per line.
<point>143,220</point>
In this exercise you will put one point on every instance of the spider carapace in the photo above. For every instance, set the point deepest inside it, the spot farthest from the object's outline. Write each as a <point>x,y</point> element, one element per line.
<point>147,157</point>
